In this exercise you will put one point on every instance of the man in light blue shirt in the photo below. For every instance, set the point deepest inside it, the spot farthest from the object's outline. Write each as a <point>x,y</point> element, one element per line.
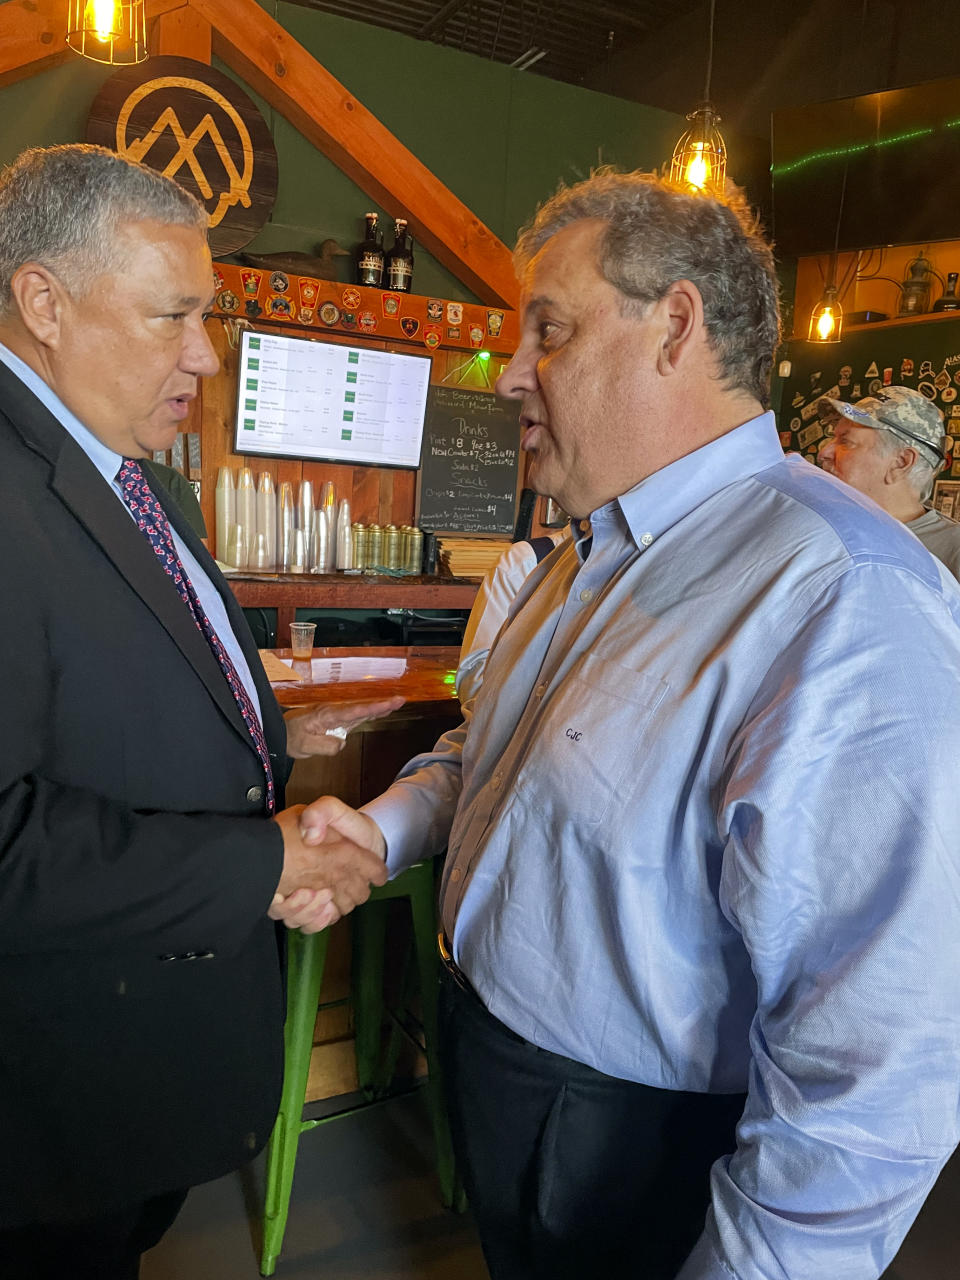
<point>702,889</point>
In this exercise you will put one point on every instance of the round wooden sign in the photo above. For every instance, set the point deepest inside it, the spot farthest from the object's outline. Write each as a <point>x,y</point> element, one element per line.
<point>197,126</point>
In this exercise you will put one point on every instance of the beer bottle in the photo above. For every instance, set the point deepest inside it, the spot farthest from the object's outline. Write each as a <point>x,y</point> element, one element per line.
<point>399,261</point>
<point>369,256</point>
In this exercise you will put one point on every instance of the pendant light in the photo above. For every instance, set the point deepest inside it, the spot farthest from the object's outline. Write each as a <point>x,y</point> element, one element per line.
<point>826,318</point>
<point>110,31</point>
<point>700,157</point>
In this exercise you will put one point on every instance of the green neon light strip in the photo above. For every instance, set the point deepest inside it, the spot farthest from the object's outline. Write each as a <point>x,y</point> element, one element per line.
<point>857,147</point>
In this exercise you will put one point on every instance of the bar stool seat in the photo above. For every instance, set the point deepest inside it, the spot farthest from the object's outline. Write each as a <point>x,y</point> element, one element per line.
<point>306,957</point>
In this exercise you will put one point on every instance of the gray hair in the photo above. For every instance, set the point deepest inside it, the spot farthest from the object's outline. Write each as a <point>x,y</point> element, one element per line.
<point>921,475</point>
<point>657,233</point>
<point>60,207</point>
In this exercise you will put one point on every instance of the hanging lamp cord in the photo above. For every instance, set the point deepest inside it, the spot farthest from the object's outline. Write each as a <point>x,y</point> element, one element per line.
<point>706,88</point>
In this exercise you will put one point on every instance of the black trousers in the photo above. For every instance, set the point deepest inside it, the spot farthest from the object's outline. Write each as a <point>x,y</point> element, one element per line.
<point>105,1248</point>
<point>571,1173</point>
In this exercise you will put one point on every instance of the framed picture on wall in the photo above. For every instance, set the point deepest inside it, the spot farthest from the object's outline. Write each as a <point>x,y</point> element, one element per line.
<point>946,498</point>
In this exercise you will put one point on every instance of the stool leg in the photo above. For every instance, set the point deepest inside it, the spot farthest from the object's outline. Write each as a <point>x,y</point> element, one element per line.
<point>369,925</point>
<point>425,941</point>
<point>306,956</point>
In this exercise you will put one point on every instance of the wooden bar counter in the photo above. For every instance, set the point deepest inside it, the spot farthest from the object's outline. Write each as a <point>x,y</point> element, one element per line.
<point>287,592</point>
<point>371,757</point>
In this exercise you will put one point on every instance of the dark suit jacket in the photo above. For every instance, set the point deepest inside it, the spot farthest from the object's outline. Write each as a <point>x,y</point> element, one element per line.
<point>140,984</point>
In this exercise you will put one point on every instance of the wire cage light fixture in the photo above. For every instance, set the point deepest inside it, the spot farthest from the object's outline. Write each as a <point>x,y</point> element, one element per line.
<point>109,31</point>
<point>700,157</point>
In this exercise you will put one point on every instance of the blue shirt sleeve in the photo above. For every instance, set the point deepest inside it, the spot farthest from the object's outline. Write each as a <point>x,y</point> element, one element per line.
<point>840,872</point>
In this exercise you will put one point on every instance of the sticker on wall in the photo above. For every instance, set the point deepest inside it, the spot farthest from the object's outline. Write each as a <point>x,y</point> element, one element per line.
<point>454,312</point>
<point>948,395</point>
<point>888,377</point>
<point>494,323</point>
<point>871,370</point>
<point>956,377</point>
<point>251,282</point>
<point>855,393</point>
<point>434,309</point>
<point>279,306</point>
<point>309,289</point>
<point>348,319</point>
<point>846,373</point>
<point>329,313</point>
<point>228,301</point>
<point>906,368</point>
<point>390,302</point>
<point>431,336</point>
<point>410,326</point>
<point>942,380</point>
<point>786,439</point>
<point>810,435</point>
<point>368,321</point>
<point>218,280</point>
<point>453,332</point>
<point>350,299</point>
<point>874,385</point>
<point>798,400</point>
<point>305,315</point>
<point>253,308</point>
<point>796,424</point>
<point>816,383</point>
<point>809,411</point>
<point>476,335</point>
<point>279,282</point>
<point>926,369</point>
<point>928,389</point>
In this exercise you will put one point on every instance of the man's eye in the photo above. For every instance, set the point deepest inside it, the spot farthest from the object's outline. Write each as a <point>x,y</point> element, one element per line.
<point>547,330</point>
<point>175,315</point>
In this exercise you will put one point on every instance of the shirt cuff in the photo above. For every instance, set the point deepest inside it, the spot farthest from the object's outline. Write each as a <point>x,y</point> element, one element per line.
<point>705,1263</point>
<point>399,813</point>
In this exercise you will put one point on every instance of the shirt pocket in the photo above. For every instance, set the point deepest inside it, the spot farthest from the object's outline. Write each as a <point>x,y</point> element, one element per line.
<point>585,745</point>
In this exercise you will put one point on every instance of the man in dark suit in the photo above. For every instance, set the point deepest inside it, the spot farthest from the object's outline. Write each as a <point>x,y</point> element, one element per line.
<point>143,844</point>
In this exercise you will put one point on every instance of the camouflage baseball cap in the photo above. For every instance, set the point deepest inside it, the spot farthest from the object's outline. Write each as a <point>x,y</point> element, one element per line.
<point>904,412</point>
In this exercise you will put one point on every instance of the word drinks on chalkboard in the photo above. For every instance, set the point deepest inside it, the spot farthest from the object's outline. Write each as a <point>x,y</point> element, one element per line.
<point>469,464</point>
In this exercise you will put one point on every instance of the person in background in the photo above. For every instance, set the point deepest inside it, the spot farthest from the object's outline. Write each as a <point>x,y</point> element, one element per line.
<point>701,895</point>
<point>890,447</point>
<point>497,593</point>
<point>181,491</point>
<point>144,846</point>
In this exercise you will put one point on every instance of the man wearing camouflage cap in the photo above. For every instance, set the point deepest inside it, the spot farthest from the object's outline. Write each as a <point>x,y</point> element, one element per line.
<point>890,447</point>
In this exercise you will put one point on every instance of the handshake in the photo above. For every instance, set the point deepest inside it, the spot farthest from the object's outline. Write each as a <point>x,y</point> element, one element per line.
<point>332,855</point>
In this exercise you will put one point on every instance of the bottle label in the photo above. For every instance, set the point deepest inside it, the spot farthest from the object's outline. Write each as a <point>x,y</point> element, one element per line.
<point>399,275</point>
<point>370,268</point>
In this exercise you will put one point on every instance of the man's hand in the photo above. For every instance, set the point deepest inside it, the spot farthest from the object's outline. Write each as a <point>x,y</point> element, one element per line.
<point>324,874</point>
<point>307,727</point>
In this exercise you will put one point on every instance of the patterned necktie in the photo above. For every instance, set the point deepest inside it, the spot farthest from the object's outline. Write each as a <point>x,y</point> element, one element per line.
<point>153,524</point>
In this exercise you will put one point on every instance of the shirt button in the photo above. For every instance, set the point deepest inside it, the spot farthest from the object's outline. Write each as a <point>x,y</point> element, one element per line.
<point>497,780</point>
<point>586,595</point>
<point>540,690</point>
<point>456,875</point>
<point>255,795</point>
<point>646,539</point>
<point>165,959</point>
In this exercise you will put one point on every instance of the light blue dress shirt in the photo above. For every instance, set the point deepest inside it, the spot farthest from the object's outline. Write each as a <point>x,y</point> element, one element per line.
<point>108,464</point>
<point>704,833</point>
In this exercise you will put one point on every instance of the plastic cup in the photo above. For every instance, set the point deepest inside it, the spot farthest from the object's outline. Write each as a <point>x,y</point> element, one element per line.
<point>301,638</point>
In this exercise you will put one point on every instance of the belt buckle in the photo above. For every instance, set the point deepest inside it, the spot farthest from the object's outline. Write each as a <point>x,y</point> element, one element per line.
<point>451,966</point>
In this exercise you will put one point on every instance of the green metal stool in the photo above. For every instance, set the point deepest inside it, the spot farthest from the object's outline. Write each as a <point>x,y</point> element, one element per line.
<point>306,956</point>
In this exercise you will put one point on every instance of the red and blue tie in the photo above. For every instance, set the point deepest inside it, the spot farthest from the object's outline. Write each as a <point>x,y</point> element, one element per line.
<point>153,524</point>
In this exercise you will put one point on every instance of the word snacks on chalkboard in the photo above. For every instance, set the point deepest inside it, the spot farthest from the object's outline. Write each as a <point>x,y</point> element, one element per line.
<point>469,467</point>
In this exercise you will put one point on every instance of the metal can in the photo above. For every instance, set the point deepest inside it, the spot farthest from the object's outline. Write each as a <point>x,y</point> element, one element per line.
<point>359,532</point>
<point>374,547</point>
<point>391,547</point>
<point>414,549</point>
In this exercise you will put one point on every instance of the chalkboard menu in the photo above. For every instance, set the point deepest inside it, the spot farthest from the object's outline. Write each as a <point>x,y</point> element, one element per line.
<point>469,464</point>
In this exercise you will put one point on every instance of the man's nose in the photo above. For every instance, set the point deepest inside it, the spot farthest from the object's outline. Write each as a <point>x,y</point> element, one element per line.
<point>199,356</point>
<point>519,377</point>
<point>826,451</point>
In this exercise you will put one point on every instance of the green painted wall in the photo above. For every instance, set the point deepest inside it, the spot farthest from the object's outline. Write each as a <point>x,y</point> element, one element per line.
<point>500,139</point>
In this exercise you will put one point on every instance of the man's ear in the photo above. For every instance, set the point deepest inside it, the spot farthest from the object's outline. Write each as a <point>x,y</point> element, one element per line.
<point>682,313</point>
<point>41,300</point>
<point>899,464</point>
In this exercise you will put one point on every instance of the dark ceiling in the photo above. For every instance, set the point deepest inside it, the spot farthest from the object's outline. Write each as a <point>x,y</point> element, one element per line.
<point>568,40</point>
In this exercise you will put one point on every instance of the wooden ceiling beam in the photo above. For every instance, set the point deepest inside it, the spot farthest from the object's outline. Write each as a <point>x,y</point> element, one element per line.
<point>182,33</point>
<point>294,83</point>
